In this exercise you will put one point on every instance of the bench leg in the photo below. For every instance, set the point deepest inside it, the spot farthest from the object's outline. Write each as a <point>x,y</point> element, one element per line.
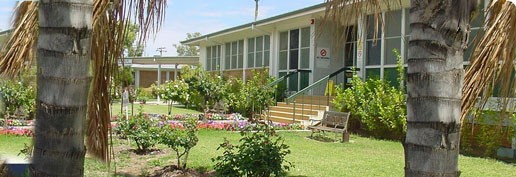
<point>345,137</point>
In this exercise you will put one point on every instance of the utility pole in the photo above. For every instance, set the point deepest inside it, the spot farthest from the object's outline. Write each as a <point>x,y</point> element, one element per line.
<point>161,50</point>
<point>256,10</point>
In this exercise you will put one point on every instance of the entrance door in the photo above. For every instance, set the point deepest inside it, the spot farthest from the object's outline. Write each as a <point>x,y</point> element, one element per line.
<point>294,54</point>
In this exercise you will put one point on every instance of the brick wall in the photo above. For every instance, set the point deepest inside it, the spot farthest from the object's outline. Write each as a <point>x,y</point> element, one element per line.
<point>147,78</point>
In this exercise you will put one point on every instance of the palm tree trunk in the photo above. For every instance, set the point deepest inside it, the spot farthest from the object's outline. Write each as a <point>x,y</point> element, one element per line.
<point>439,31</point>
<point>63,55</point>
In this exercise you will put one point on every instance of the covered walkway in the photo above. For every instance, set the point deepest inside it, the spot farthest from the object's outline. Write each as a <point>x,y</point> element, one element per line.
<point>157,69</point>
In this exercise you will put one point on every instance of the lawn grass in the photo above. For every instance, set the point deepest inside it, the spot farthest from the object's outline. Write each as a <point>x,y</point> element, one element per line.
<point>11,145</point>
<point>361,157</point>
<point>157,109</point>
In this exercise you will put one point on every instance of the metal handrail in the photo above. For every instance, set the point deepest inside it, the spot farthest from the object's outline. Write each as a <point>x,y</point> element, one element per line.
<point>315,84</point>
<point>282,78</point>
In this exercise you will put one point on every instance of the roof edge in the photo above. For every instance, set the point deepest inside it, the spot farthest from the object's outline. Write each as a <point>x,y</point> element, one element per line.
<point>5,31</point>
<point>255,23</point>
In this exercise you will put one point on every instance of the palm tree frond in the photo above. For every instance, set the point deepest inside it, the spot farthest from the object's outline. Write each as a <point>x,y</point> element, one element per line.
<point>493,60</point>
<point>110,25</point>
<point>18,54</point>
<point>340,14</point>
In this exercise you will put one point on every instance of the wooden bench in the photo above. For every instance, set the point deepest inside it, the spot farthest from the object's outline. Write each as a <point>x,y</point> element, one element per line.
<point>333,122</point>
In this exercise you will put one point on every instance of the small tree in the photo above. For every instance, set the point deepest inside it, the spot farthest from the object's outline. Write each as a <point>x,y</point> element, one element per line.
<point>205,89</point>
<point>17,95</point>
<point>252,97</point>
<point>177,91</point>
<point>260,154</point>
<point>185,50</point>
<point>180,140</point>
<point>143,131</point>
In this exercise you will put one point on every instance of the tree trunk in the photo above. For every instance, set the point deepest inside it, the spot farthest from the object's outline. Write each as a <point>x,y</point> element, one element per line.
<point>63,55</point>
<point>439,31</point>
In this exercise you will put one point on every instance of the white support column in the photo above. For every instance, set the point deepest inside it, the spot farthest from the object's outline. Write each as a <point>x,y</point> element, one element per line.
<point>159,74</point>
<point>244,66</point>
<point>382,50</point>
<point>168,76</point>
<point>175,72</point>
<point>361,46</point>
<point>136,78</point>
<point>159,79</point>
<point>312,50</point>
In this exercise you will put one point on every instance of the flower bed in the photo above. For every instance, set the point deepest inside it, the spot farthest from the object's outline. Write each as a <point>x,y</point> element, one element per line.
<point>11,130</point>
<point>227,125</point>
<point>183,117</point>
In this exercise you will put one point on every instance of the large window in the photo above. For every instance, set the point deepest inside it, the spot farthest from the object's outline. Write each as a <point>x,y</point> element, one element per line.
<point>258,54</point>
<point>380,59</point>
<point>295,49</point>
<point>213,58</point>
<point>477,30</point>
<point>294,54</point>
<point>350,48</point>
<point>234,57</point>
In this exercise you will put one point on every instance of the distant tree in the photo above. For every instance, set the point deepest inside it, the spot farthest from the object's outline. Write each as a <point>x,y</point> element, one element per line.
<point>132,49</point>
<point>185,50</point>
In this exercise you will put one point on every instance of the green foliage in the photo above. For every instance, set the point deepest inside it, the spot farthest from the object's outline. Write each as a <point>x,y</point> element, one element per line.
<point>206,89</point>
<point>17,95</point>
<point>186,50</point>
<point>180,140</point>
<point>401,70</point>
<point>175,91</point>
<point>253,96</point>
<point>261,153</point>
<point>132,48</point>
<point>143,94</point>
<point>485,135</point>
<point>125,76</point>
<point>377,105</point>
<point>142,130</point>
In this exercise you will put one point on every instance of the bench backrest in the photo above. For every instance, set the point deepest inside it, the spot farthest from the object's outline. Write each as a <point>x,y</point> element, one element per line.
<point>335,119</point>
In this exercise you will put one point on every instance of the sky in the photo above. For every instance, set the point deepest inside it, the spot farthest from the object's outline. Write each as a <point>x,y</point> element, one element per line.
<point>204,16</point>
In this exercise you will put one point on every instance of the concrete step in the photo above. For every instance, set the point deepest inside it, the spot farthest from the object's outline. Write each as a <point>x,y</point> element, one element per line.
<point>303,106</point>
<point>283,120</point>
<point>302,110</point>
<point>318,97</point>
<point>289,115</point>
<point>314,102</point>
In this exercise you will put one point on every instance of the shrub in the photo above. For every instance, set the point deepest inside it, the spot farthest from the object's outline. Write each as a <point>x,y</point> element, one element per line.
<point>180,140</point>
<point>177,91</point>
<point>144,94</point>
<point>252,97</point>
<point>378,106</point>
<point>484,133</point>
<point>261,153</point>
<point>17,95</point>
<point>205,88</point>
<point>142,130</point>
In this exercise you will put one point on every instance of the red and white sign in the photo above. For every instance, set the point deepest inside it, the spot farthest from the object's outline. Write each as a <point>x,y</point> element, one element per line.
<point>323,53</point>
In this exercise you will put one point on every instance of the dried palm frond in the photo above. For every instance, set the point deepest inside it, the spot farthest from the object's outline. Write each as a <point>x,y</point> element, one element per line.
<point>18,54</point>
<point>493,60</point>
<point>340,14</point>
<point>110,24</point>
